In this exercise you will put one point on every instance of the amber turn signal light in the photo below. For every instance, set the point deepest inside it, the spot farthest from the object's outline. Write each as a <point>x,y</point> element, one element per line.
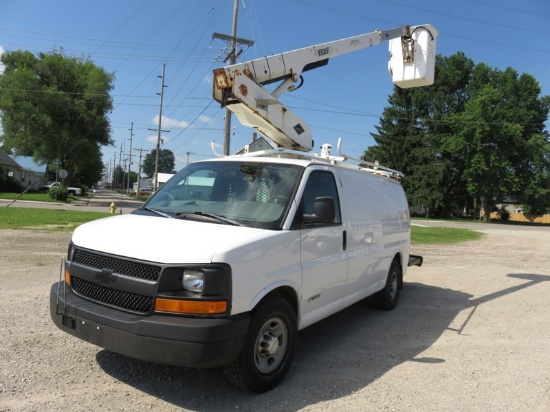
<point>192,307</point>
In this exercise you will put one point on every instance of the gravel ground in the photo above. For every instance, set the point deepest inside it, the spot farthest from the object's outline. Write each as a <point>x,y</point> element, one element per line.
<point>470,333</point>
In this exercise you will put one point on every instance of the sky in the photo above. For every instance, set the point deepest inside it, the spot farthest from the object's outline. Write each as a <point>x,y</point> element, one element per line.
<point>134,39</point>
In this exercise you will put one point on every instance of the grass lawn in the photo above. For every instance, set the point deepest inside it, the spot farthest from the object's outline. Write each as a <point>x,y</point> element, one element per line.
<point>37,197</point>
<point>45,219</point>
<point>420,235</point>
<point>48,219</point>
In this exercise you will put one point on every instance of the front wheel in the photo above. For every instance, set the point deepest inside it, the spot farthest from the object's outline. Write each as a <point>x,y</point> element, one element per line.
<point>268,348</point>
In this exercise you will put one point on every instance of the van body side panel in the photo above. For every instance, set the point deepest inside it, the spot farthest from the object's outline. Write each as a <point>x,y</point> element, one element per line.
<point>260,262</point>
<point>324,266</point>
<point>378,229</point>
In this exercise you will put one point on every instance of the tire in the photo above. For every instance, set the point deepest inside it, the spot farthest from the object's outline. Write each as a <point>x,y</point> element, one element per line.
<point>268,348</point>
<point>387,298</point>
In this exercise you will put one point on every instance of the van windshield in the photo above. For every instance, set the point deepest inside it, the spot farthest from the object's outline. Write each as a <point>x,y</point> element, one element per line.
<point>255,194</point>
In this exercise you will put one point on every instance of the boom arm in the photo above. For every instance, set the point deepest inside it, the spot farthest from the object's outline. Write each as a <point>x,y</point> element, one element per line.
<point>239,87</point>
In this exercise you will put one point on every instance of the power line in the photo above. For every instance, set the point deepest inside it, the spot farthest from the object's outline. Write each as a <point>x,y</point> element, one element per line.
<point>356,15</point>
<point>501,6</point>
<point>492,23</point>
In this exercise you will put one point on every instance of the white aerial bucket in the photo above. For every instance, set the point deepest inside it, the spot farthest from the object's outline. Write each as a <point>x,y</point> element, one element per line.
<point>412,62</point>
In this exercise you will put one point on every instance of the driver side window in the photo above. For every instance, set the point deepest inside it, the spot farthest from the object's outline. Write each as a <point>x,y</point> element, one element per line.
<point>321,184</point>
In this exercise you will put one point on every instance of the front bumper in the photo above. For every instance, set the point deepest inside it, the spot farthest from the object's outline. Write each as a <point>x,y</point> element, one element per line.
<point>171,340</point>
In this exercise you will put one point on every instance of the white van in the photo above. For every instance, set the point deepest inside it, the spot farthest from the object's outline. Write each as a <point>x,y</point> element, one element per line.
<point>232,257</point>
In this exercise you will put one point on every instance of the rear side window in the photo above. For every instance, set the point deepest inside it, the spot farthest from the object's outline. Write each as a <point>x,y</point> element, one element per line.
<point>319,184</point>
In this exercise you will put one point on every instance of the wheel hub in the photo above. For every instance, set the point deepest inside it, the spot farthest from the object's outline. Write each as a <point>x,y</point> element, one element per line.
<point>269,344</point>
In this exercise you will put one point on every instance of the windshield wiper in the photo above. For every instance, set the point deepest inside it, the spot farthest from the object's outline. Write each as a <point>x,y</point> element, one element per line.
<point>158,212</point>
<point>210,216</point>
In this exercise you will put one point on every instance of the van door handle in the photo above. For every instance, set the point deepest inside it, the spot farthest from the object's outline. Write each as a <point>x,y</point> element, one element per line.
<point>345,240</point>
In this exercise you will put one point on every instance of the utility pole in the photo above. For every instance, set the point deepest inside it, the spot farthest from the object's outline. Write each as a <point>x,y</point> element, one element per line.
<point>120,166</point>
<point>107,175</point>
<point>232,57</point>
<point>139,173</point>
<point>188,153</point>
<point>159,130</point>
<point>114,171</point>
<point>130,157</point>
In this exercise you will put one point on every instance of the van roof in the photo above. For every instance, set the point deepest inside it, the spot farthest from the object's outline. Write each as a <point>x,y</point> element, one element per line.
<point>305,159</point>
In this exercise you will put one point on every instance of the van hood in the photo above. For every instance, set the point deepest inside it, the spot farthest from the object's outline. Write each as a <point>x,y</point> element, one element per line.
<point>159,239</point>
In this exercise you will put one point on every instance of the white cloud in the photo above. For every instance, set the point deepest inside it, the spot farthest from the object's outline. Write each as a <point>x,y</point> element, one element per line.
<point>171,123</point>
<point>205,119</point>
<point>152,139</point>
<point>2,51</point>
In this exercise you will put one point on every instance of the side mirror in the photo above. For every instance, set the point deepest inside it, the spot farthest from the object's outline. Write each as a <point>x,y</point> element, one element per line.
<point>323,211</point>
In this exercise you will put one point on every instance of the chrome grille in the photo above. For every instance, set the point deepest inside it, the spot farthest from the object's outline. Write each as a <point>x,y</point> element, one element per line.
<point>114,297</point>
<point>117,265</point>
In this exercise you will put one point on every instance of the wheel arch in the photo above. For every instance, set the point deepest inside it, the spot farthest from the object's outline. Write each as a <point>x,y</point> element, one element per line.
<point>269,344</point>
<point>399,259</point>
<point>284,292</point>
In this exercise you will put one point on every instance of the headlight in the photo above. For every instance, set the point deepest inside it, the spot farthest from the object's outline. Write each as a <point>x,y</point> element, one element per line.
<point>193,280</point>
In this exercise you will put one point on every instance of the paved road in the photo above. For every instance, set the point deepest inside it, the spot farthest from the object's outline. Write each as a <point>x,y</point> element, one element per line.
<point>94,202</point>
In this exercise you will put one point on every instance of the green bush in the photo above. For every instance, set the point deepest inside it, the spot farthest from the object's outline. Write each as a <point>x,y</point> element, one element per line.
<point>83,188</point>
<point>504,215</point>
<point>59,193</point>
<point>8,184</point>
<point>11,186</point>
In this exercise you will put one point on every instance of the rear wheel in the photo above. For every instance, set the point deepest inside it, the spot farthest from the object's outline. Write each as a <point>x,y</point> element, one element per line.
<point>268,348</point>
<point>387,298</point>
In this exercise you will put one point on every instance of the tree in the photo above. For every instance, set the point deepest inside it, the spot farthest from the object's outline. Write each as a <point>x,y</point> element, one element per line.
<point>477,133</point>
<point>167,160</point>
<point>412,132</point>
<point>500,135</point>
<point>400,145</point>
<point>55,108</point>
<point>439,174</point>
<point>119,178</point>
<point>89,170</point>
<point>536,194</point>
